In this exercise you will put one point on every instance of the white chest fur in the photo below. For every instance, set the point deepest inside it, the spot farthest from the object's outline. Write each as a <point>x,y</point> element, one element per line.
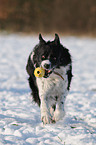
<point>50,88</point>
<point>53,85</point>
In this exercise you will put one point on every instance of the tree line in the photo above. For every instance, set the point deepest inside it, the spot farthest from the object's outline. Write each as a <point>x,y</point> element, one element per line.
<point>48,16</point>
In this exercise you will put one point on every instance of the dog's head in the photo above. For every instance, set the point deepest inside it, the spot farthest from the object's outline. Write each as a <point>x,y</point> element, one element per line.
<point>48,55</point>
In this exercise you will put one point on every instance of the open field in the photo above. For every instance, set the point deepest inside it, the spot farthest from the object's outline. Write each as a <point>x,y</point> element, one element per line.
<point>20,122</point>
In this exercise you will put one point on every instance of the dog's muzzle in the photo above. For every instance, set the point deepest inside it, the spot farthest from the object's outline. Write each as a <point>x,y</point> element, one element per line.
<point>47,73</point>
<point>46,64</point>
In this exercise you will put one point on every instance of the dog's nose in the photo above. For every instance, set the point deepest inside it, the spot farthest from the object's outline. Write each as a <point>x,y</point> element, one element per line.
<point>47,66</point>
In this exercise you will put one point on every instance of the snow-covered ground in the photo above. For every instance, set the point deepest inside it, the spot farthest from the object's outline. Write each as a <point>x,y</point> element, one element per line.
<point>20,122</point>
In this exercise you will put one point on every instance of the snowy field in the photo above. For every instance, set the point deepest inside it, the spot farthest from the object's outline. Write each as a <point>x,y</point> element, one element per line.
<point>20,122</point>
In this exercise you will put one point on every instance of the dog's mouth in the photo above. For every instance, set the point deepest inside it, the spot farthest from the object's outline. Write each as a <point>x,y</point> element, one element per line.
<point>47,73</point>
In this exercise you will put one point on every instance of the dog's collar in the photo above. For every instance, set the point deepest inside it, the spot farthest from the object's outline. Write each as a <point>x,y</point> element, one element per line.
<point>58,75</point>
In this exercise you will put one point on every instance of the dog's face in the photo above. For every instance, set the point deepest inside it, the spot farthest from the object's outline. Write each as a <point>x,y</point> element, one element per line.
<point>48,55</point>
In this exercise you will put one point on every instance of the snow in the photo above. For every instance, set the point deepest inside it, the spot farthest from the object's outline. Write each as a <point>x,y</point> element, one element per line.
<point>20,122</point>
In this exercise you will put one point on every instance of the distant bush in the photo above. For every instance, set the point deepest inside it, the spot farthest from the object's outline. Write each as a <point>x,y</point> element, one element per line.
<point>48,15</point>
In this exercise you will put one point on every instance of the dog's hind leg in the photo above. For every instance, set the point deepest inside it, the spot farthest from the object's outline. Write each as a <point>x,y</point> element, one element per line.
<point>34,89</point>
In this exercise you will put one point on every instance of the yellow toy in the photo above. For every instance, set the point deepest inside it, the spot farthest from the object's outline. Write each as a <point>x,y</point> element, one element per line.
<point>39,72</point>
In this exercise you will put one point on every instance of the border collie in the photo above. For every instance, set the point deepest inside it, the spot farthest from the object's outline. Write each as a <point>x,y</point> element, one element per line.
<point>50,91</point>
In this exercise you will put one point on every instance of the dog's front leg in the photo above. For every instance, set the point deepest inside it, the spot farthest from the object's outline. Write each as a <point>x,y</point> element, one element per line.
<point>45,114</point>
<point>59,112</point>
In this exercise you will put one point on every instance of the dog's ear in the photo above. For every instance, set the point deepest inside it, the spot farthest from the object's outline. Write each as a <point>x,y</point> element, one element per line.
<point>41,39</point>
<point>56,40</point>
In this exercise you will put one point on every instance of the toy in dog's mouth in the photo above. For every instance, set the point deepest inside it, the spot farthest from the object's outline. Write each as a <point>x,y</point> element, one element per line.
<point>41,72</point>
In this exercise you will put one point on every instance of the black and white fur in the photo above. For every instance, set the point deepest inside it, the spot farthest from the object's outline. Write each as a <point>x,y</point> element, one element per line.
<point>50,91</point>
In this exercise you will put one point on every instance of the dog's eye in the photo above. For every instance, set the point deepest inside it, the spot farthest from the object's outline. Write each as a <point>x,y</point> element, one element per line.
<point>43,57</point>
<point>54,58</point>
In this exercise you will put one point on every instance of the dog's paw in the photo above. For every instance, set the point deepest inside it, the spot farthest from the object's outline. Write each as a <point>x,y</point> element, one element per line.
<point>46,118</point>
<point>58,115</point>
